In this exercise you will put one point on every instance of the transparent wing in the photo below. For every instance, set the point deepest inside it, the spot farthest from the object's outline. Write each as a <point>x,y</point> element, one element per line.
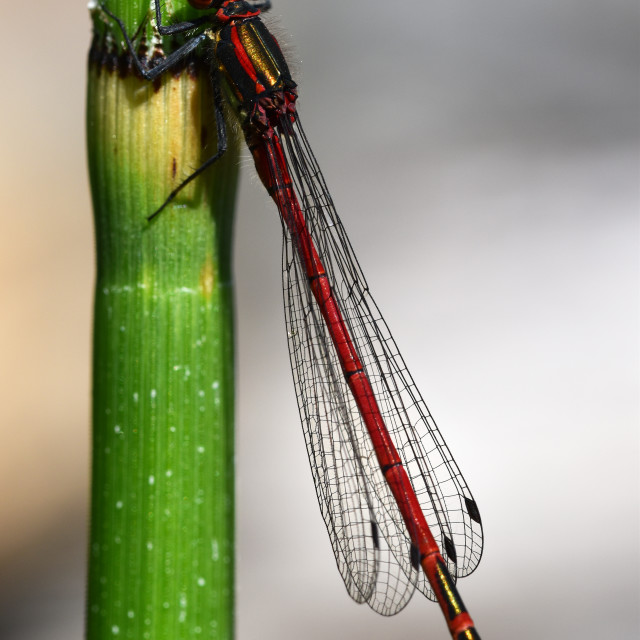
<point>350,490</point>
<point>368,535</point>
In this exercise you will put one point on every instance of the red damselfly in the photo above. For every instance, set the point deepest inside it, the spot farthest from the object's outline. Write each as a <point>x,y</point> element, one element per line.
<point>397,509</point>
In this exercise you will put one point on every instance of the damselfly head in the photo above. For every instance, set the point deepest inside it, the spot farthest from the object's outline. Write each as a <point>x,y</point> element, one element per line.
<point>203,4</point>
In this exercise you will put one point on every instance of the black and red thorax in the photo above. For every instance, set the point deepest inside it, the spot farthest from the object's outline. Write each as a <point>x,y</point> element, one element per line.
<point>252,63</point>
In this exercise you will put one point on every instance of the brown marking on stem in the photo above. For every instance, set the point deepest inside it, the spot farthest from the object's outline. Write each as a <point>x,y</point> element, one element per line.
<point>207,277</point>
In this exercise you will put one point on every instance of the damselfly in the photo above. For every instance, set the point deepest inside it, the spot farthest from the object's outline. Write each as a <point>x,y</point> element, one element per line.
<point>390,492</point>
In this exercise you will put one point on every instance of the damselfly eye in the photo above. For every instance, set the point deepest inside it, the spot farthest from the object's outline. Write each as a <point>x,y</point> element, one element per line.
<point>201,4</point>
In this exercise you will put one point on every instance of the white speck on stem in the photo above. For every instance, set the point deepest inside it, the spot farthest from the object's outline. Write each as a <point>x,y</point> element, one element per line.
<point>201,582</point>
<point>152,480</point>
<point>115,630</point>
<point>154,393</point>
<point>135,396</point>
<point>183,607</point>
<point>119,504</point>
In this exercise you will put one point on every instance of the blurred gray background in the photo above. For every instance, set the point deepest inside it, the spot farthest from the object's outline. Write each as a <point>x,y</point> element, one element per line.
<point>484,159</point>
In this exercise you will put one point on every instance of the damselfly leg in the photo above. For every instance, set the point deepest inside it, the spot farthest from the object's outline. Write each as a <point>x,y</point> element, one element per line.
<point>169,62</point>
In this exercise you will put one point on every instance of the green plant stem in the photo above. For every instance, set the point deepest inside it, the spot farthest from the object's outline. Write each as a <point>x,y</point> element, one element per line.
<point>161,551</point>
